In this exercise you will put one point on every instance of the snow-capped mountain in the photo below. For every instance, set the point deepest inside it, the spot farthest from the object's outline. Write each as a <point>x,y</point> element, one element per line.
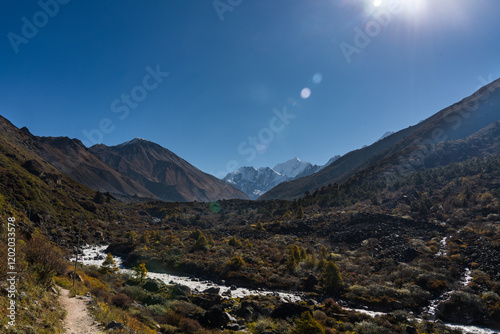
<point>293,167</point>
<point>255,182</point>
<point>331,161</point>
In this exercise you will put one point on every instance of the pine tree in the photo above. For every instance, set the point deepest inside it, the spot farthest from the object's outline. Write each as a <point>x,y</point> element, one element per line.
<point>201,243</point>
<point>300,212</point>
<point>141,272</point>
<point>332,281</point>
<point>109,265</point>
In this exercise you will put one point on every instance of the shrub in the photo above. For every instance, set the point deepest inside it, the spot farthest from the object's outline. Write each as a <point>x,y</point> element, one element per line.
<point>45,260</point>
<point>307,325</point>
<point>236,263</point>
<point>121,300</point>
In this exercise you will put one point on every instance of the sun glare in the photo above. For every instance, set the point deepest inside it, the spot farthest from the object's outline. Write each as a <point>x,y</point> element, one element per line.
<point>377,3</point>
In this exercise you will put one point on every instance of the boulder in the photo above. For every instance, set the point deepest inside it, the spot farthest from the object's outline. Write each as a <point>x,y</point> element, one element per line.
<point>215,317</point>
<point>289,310</point>
<point>212,291</point>
<point>115,325</point>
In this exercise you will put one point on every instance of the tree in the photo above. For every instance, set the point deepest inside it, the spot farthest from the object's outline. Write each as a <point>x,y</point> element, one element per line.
<point>131,237</point>
<point>201,243</point>
<point>234,242</point>
<point>109,265</point>
<point>300,212</point>
<point>145,238</point>
<point>141,272</point>
<point>307,325</point>
<point>332,281</point>
<point>99,198</point>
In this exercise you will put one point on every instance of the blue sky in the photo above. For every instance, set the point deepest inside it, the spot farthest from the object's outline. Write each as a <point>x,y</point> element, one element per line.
<point>219,83</point>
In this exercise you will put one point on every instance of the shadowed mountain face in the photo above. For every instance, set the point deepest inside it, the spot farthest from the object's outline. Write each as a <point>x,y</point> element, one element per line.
<point>71,157</point>
<point>407,150</point>
<point>163,173</point>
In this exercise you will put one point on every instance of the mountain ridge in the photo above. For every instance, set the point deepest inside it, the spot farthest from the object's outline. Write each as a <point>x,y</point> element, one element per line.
<point>457,121</point>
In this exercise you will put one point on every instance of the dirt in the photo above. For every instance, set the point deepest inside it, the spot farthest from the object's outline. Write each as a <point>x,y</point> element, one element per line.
<point>78,319</point>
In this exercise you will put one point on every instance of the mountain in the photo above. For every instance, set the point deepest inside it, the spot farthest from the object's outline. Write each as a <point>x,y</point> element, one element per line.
<point>72,158</point>
<point>387,134</point>
<point>255,182</point>
<point>163,173</point>
<point>294,167</point>
<point>406,150</point>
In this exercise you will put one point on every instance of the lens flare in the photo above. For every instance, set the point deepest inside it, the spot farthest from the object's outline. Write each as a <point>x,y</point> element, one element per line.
<point>305,93</point>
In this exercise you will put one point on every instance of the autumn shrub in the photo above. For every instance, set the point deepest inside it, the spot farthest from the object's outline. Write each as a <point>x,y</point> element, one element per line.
<point>45,260</point>
<point>306,324</point>
<point>121,300</point>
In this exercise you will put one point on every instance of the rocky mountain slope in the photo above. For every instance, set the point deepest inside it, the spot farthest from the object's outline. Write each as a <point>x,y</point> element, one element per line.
<point>70,157</point>
<point>406,150</point>
<point>163,173</point>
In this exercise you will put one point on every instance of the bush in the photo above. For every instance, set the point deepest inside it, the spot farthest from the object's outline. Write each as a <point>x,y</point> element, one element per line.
<point>307,325</point>
<point>121,300</point>
<point>45,260</point>
<point>236,263</point>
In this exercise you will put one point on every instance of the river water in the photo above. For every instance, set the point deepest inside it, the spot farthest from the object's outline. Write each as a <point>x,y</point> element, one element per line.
<point>95,255</point>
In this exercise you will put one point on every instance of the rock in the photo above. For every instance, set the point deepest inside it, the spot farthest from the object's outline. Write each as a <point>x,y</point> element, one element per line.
<point>181,291</point>
<point>22,295</point>
<point>206,302</point>
<point>213,291</point>
<point>153,285</point>
<point>215,317</point>
<point>227,293</point>
<point>233,287</point>
<point>54,290</point>
<point>289,310</point>
<point>115,325</point>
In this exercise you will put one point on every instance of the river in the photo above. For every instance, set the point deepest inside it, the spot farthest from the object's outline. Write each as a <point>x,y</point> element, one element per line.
<point>95,255</point>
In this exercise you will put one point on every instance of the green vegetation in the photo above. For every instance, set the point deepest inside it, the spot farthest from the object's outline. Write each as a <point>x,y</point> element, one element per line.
<point>371,241</point>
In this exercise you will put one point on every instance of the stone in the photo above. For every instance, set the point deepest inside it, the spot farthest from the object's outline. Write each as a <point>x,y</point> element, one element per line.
<point>215,317</point>
<point>212,290</point>
<point>289,310</point>
<point>115,325</point>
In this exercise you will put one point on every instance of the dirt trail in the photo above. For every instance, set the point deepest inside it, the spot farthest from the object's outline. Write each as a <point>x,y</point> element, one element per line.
<point>78,319</point>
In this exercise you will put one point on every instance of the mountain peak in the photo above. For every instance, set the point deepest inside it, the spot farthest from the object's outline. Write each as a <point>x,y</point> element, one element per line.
<point>136,140</point>
<point>292,167</point>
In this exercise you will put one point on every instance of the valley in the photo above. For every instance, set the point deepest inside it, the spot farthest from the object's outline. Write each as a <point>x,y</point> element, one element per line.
<point>401,236</point>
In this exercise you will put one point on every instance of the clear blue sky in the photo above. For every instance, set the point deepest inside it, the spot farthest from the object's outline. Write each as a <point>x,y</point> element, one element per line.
<point>87,64</point>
